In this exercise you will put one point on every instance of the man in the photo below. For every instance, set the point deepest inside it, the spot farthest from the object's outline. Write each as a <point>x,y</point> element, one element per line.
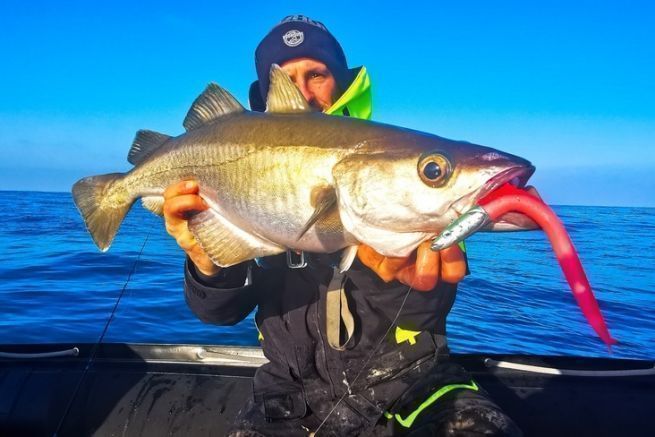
<point>390,374</point>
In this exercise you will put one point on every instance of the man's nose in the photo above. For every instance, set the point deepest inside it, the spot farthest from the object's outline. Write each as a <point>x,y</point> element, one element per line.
<point>304,89</point>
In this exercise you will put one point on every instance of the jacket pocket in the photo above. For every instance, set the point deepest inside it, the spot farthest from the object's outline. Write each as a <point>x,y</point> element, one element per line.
<point>284,406</point>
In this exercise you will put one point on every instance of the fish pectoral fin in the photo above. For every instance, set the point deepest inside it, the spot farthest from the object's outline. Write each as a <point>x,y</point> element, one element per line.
<point>283,95</point>
<point>324,200</point>
<point>227,244</point>
<point>154,204</point>
<point>212,104</point>
<point>144,144</point>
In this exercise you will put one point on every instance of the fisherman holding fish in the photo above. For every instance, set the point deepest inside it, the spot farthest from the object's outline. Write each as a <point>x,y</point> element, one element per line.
<point>351,353</point>
<point>353,318</point>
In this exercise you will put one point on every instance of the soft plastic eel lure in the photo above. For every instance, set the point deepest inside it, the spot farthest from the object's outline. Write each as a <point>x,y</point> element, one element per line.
<point>510,198</point>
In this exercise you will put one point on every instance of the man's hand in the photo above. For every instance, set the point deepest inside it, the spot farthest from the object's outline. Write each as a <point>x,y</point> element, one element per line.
<point>422,270</point>
<point>181,200</point>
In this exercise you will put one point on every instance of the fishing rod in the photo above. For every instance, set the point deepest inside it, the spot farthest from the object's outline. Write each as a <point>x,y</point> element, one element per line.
<point>96,346</point>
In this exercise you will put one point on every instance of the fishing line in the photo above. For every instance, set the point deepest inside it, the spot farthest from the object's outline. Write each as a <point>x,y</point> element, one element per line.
<point>96,346</point>
<point>368,359</point>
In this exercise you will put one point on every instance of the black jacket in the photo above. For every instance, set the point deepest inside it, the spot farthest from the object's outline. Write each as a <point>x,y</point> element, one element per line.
<point>291,317</point>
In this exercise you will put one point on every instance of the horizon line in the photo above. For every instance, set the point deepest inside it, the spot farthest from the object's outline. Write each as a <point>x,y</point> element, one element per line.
<point>549,204</point>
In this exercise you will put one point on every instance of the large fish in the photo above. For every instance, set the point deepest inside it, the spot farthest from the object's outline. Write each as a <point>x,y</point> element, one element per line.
<point>296,179</point>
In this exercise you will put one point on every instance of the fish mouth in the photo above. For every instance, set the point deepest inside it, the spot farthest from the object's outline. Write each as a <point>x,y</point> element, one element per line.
<point>511,221</point>
<point>517,176</point>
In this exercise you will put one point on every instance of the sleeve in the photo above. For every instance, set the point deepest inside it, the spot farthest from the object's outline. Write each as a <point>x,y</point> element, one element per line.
<point>222,299</point>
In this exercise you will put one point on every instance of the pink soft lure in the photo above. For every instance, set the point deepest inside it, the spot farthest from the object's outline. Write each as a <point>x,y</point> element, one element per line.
<point>510,198</point>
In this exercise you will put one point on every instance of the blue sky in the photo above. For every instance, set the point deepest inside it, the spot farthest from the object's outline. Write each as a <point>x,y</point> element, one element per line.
<point>568,85</point>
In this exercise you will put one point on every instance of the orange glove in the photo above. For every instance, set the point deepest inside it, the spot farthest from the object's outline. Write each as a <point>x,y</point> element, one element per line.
<point>421,270</point>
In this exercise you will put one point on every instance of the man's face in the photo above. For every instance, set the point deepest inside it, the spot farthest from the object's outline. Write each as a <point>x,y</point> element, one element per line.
<point>314,81</point>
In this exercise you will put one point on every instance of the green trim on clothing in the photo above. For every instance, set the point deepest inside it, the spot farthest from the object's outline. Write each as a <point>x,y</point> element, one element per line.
<point>260,336</point>
<point>409,420</point>
<point>357,99</point>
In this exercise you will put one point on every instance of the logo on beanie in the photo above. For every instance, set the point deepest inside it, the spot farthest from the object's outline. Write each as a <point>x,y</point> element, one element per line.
<point>293,38</point>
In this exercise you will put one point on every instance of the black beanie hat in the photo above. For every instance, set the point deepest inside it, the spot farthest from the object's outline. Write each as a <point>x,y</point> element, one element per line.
<point>300,37</point>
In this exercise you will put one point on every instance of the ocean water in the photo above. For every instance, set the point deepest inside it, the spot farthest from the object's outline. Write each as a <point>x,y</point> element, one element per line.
<point>55,286</point>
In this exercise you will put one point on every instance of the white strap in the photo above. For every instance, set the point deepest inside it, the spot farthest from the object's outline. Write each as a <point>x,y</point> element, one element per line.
<point>337,311</point>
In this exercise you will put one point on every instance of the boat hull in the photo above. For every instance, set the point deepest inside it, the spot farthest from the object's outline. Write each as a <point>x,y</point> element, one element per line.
<point>154,390</point>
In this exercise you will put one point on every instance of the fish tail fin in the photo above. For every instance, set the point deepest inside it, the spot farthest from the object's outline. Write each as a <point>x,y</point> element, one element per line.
<point>103,202</point>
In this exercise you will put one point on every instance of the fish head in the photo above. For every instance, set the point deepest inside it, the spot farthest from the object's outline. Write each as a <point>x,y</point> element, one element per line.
<point>482,170</point>
<point>399,191</point>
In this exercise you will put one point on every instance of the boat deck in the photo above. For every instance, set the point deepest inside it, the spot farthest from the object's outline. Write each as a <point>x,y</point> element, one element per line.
<point>156,390</point>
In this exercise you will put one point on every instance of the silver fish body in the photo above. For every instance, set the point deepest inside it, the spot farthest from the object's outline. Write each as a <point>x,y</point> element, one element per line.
<point>301,180</point>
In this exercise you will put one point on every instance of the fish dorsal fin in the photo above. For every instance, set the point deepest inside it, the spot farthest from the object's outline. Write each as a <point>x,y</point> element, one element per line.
<point>283,95</point>
<point>213,103</point>
<point>145,142</point>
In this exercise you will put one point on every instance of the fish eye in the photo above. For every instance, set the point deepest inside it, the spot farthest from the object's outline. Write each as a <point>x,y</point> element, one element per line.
<point>434,169</point>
